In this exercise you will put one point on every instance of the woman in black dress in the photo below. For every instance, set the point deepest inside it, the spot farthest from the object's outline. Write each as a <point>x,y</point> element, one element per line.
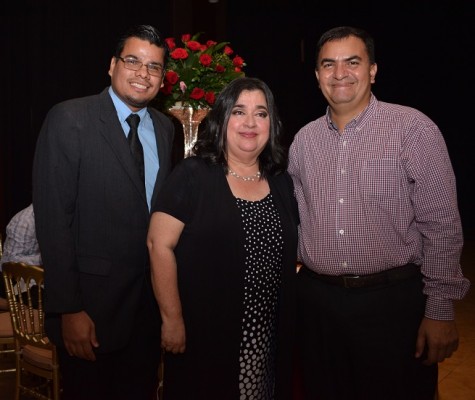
<point>222,243</point>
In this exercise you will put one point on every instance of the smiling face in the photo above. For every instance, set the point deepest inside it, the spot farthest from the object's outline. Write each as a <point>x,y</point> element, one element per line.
<point>137,88</point>
<point>248,127</point>
<point>345,74</point>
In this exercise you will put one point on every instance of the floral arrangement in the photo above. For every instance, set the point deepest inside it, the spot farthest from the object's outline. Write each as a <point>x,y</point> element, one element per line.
<point>196,72</point>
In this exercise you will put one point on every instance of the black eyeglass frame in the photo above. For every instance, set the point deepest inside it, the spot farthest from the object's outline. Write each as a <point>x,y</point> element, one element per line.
<point>135,65</point>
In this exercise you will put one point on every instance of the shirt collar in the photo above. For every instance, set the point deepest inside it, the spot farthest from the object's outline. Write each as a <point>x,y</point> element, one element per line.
<point>360,119</point>
<point>123,111</point>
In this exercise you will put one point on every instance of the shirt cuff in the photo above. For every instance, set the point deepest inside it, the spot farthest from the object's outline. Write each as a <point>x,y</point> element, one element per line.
<point>440,309</point>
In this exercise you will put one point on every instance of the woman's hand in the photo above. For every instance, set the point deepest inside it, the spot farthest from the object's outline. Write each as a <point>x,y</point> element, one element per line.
<point>174,336</point>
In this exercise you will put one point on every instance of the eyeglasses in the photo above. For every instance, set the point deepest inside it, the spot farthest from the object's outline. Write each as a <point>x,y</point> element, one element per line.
<point>134,65</point>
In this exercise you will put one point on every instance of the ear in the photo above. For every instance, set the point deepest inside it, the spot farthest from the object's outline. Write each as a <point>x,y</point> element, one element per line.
<point>112,65</point>
<point>318,77</point>
<point>372,72</point>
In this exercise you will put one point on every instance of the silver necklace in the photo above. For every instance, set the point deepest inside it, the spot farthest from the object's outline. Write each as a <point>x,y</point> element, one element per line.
<point>254,177</point>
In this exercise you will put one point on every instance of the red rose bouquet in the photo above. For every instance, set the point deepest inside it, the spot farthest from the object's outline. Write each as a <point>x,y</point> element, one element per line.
<point>197,72</point>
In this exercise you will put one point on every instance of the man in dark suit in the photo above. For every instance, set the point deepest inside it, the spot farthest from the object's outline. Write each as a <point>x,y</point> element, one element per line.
<point>92,213</point>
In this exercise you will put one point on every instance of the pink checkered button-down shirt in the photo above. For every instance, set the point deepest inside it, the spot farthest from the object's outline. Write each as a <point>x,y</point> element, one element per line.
<point>379,195</point>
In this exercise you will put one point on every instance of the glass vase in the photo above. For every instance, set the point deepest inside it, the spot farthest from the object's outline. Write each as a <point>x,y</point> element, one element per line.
<point>190,120</point>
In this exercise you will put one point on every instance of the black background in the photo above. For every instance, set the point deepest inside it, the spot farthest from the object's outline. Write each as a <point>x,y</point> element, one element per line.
<point>54,51</point>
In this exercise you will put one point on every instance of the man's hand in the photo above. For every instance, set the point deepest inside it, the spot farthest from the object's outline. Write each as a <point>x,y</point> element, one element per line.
<point>79,335</point>
<point>439,337</point>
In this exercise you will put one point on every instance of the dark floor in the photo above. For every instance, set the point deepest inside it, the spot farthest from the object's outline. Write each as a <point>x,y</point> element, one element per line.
<point>456,375</point>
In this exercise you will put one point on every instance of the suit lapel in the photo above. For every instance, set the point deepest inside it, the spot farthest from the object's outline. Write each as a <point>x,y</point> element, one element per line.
<point>114,135</point>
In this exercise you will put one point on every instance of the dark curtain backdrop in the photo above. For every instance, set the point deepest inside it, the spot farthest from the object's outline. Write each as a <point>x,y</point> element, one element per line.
<point>55,50</point>
<point>424,51</point>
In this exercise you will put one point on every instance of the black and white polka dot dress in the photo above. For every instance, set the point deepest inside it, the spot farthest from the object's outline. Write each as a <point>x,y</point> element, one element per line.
<point>263,247</point>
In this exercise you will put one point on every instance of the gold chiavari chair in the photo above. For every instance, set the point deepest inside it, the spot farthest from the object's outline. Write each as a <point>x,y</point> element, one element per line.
<point>34,353</point>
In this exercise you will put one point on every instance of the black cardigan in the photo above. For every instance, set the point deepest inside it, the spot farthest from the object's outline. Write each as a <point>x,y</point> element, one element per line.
<point>210,261</point>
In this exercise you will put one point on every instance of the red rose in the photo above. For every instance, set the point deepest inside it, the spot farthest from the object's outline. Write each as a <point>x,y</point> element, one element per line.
<point>210,43</point>
<point>238,61</point>
<point>179,54</point>
<point>185,37</point>
<point>210,97</point>
<point>197,93</point>
<point>228,50</point>
<point>172,77</point>
<point>237,69</point>
<point>206,60</point>
<point>166,89</point>
<point>220,68</point>
<point>193,45</point>
<point>170,43</point>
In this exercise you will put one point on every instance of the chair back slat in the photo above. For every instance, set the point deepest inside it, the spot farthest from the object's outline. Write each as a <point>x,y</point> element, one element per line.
<point>26,308</point>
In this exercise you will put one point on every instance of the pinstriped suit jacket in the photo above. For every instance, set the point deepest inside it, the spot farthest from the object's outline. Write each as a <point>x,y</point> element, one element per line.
<point>92,216</point>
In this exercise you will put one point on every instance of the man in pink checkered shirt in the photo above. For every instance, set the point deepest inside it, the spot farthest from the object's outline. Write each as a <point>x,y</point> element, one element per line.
<point>380,237</point>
